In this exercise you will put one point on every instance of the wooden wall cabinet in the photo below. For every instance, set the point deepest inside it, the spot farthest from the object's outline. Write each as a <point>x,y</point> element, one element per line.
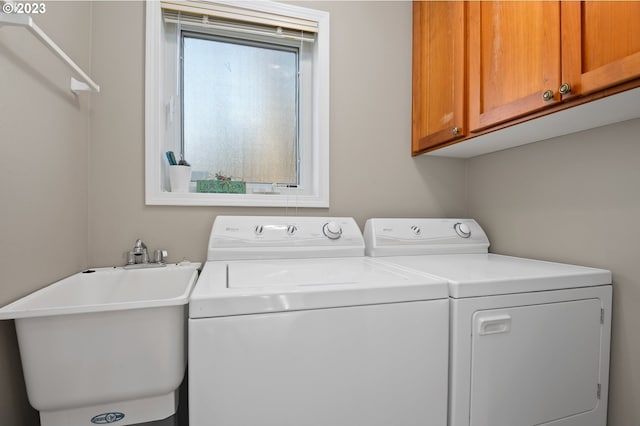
<point>514,59</point>
<point>438,103</point>
<point>521,60</point>
<point>600,44</point>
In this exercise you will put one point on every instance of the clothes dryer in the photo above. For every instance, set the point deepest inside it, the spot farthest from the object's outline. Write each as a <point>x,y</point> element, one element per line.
<point>529,340</point>
<point>290,325</point>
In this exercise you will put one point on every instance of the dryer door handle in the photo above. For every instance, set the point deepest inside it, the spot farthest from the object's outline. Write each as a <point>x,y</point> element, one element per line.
<point>494,324</point>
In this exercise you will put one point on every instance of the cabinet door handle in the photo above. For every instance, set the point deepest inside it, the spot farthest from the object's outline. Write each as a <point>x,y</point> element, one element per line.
<point>455,131</point>
<point>565,89</point>
<point>547,95</point>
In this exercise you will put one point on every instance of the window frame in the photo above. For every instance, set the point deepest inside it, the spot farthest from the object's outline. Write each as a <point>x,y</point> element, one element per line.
<point>315,195</point>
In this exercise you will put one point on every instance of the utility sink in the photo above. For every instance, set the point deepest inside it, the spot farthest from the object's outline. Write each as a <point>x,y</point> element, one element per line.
<point>107,345</point>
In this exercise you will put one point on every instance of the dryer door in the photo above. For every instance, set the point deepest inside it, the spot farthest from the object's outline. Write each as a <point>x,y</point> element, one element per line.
<point>532,365</point>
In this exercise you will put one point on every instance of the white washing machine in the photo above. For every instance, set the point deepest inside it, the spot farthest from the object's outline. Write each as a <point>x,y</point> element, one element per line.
<point>291,325</point>
<point>529,340</point>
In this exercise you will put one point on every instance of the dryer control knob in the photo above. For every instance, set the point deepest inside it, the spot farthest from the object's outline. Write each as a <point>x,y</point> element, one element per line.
<point>291,229</point>
<point>332,230</point>
<point>416,229</point>
<point>462,229</point>
<point>259,229</point>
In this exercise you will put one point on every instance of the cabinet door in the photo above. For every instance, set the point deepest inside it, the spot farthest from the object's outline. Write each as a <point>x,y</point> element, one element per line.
<point>438,73</point>
<point>514,58</point>
<point>600,44</point>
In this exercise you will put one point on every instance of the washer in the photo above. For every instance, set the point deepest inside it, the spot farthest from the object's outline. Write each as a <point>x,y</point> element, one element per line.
<point>529,340</point>
<point>291,325</point>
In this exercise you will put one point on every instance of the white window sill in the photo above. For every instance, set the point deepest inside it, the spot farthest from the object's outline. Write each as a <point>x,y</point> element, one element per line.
<point>238,200</point>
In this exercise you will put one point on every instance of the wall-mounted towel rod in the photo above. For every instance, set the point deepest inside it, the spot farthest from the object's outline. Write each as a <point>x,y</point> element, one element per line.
<point>26,21</point>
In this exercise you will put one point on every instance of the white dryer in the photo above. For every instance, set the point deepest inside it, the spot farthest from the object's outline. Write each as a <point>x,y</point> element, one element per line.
<point>529,340</point>
<point>291,325</point>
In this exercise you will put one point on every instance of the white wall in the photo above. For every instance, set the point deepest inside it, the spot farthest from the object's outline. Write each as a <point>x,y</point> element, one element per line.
<point>43,175</point>
<point>575,199</point>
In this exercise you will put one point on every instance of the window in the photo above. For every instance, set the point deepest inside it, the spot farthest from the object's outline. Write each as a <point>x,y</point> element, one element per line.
<point>241,91</point>
<point>240,103</point>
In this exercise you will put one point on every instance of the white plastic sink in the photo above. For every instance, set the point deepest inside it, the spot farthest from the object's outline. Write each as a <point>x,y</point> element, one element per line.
<point>107,289</point>
<point>106,346</point>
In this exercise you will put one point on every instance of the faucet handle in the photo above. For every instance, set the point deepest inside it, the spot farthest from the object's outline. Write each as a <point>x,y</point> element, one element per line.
<point>159,255</point>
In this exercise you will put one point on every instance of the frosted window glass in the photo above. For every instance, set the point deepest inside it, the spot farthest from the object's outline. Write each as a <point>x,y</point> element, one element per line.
<point>240,110</point>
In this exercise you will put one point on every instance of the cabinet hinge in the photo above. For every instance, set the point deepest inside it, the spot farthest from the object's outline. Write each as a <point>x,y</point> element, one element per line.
<point>602,316</point>
<point>599,390</point>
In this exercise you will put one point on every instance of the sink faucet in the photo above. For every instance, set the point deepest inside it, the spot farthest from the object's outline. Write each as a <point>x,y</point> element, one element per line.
<point>139,256</point>
<point>140,252</point>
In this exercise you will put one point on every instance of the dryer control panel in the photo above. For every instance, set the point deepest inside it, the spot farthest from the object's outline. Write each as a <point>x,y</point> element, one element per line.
<point>400,237</point>
<point>284,237</point>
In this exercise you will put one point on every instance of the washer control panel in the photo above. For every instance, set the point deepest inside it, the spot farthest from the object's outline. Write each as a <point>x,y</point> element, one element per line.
<point>261,237</point>
<point>405,237</point>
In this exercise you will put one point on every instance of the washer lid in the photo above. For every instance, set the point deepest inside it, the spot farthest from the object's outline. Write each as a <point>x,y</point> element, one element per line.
<point>262,286</point>
<point>472,275</point>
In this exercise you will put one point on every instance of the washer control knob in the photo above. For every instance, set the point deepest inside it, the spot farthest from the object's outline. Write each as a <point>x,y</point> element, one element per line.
<point>332,230</point>
<point>462,229</point>
<point>259,229</point>
<point>291,229</point>
<point>416,229</point>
